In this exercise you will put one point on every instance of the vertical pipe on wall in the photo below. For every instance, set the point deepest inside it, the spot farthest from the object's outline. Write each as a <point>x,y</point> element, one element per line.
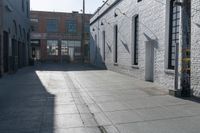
<point>186,22</point>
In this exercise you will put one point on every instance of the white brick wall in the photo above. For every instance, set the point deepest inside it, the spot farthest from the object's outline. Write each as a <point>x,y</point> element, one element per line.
<point>152,26</point>
<point>195,48</point>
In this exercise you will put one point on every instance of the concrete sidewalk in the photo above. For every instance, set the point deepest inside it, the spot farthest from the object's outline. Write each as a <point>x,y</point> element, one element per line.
<point>80,99</point>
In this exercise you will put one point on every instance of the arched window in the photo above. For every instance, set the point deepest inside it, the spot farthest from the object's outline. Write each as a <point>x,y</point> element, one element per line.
<point>14,28</point>
<point>23,9</point>
<point>24,34</point>
<point>20,30</point>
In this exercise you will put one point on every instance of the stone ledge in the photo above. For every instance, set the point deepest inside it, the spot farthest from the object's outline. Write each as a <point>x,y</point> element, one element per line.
<point>135,66</point>
<point>115,64</point>
<point>168,71</point>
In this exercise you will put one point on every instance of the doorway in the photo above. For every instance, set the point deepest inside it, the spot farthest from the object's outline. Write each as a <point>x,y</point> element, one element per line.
<point>149,61</point>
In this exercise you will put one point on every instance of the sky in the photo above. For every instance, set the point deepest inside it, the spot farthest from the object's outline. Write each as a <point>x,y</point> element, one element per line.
<point>65,5</point>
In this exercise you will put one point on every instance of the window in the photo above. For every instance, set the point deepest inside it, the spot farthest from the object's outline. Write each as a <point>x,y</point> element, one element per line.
<point>34,20</point>
<point>66,44</point>
<point>23,5</point>
<point>95,48</point>
<point>174,34</point>
<point>135,24</point>
<point>64,48</point>
<point>52,47</point>
<point>104,43</point>
<point>116,44</point>
<point>27,9</point>
<point>20,30</point>
<point>87,28</point>
<point>71,26</point>
<point>52,25</point>
<point>34,24</point>
<point>139,0</point>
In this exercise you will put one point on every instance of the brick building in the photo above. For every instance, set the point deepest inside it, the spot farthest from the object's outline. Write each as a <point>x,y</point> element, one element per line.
<point>14,34</point>
<point>140,38</point>
<point>57,36</point>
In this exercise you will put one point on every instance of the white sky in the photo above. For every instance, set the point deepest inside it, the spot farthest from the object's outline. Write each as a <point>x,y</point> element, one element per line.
<point>65,5</point>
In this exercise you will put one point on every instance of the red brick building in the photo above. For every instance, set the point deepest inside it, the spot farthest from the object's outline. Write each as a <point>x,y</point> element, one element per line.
<point>57,36</point>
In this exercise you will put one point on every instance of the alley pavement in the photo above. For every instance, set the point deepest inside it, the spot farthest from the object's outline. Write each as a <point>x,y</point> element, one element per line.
<point>54,98</point>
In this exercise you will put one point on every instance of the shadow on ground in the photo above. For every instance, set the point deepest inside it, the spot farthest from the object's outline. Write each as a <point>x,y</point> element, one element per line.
<point>67,67</point>
<point>23,103</point>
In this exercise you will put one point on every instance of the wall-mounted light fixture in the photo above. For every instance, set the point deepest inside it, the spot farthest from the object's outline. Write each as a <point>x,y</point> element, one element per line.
<point>94,28</point>
<point>117,10</point>
<point>106,2</point>
<point>103,21</point>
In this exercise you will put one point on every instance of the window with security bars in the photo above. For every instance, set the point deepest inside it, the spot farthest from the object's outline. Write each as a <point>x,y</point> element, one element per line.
<point>136,40</point>
<point>174,34</point>
<point>116,44</point>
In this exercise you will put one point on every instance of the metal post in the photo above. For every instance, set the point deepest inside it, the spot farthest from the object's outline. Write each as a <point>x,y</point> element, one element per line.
<point>186,22</point>
<point>176,67</point>
<point>83,35</point>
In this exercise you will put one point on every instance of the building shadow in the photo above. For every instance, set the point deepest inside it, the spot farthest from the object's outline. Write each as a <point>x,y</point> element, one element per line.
<point>25,103</point>
<point>67,67</point>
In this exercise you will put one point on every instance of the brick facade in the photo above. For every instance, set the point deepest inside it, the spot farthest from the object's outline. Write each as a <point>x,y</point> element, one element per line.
<point>62,34</point>
<point>14,34</point>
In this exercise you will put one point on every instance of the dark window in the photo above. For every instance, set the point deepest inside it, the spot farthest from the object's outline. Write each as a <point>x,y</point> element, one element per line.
<point>87,28</point>
<point>173,34</point>
<point>52,47</point>
<point>116,44</point>
<point>71,26</point>
<point>52,25</point>
<point>135,40</point>
<point>23,5</point>
<point>139,0</point>
<point>20,30</point>
<point>34,24</point>
<point>27,9</point>
<point>104,43</point>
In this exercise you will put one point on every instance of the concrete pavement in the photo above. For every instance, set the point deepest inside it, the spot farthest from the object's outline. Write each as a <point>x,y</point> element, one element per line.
<point>52,98</point>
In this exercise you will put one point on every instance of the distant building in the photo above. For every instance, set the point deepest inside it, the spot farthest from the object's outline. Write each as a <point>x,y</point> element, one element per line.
<point>56,36</point>
<point>140,38</point>
<point>14,34</point>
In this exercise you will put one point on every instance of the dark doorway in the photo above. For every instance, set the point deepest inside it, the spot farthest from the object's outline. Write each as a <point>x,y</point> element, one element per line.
<point>23,54</point>
<point>20,54</point>
<point>0,57</point>
<point>5,51</point>
<point>14,60</point>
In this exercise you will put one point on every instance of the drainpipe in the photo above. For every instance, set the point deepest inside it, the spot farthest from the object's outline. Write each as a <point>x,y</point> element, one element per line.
<point>185,48</point>
<point>186,42</point>
<point>176,69</point>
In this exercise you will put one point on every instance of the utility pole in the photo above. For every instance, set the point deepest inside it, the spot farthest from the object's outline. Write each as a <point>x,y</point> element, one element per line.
<point>83,34</point>
<point>186,45</point>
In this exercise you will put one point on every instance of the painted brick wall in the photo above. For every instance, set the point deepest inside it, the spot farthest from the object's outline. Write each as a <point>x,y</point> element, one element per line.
<point>152,26</point>
<point>195,48</point>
